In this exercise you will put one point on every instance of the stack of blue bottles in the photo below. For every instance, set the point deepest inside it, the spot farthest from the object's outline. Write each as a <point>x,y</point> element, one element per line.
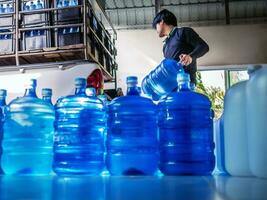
<point>6,41</point>
<point>47,95</point>
<point>69,30</point>
<point>6,8</point>
<point>186,131</point>
<point>162,80</point>
<point>69,36</point>
<point>2,115</point>
<point>79,129</point>
<point>132,146</point>
<point>66,3</point>
<point>28,135</point>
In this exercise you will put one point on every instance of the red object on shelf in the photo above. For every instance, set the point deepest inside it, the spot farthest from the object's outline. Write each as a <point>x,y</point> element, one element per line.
<point>96,80</point>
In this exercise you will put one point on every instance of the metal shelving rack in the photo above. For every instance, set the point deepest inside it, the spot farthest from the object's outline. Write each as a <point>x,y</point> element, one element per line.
<point>65,56</point>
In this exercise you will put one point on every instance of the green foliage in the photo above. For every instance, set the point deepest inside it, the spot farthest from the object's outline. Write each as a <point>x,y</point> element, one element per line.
<point>215,94</point>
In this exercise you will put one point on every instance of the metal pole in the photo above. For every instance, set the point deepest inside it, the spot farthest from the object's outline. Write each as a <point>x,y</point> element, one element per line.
<point>227,79</point>
<point>157,6</point>
<point>17,32</point>
<point>85,29</point>
<point>227,12</point>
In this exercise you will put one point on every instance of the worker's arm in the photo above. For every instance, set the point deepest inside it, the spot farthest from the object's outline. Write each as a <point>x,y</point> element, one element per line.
<point>200,47</point>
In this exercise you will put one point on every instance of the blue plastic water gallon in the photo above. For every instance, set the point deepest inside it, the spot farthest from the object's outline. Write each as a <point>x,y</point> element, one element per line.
<point>186,131</point>
<point>47,95</point>
<point>79,129</point>
<point>132,146</point>
<point>162,80</point>
<point>2,110</point>
<point>219,146</point>
<point>28,134</point>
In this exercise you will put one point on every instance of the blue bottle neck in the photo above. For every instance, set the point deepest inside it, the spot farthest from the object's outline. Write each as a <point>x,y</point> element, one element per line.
<point>47,99</point>
<point>30,92</point>
<point>184,86</point>
<point>133,90</point>
<point>80,91</point>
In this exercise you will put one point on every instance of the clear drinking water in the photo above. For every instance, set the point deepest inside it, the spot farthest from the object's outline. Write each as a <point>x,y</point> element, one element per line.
<point>132,146</point>
<point>186,131</point>
<point>28,135</point>
<point>79,133</point>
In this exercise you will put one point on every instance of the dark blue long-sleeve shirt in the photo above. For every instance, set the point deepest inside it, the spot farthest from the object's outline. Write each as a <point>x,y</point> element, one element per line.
<point>185,41</point>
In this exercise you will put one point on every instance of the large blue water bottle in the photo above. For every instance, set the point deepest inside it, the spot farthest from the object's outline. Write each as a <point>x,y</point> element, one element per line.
<point>28,134</point>
<point>79,129</point>
<point>132,146</point>
<point>186,131</point>
<point>162,80</point>
<point>2,110</point>
<point>47,95</point>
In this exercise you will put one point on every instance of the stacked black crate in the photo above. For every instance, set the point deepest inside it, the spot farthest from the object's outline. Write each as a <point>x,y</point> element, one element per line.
<point>108,58</point>
<point>91,39</point>
<point>7,27</point>
<point>101,33</point>
<point>67,17</point>
<point>36,21</point>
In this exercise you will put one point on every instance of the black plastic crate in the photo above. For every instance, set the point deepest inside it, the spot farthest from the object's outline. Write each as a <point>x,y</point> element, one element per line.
<point>36,39</point>
<point>95,25</point>
<point>70,13</point>
<point>108,63</point>
<point>6,14</point>
<point>68,36</point>
<point>107,39</point>
<point>7,42</point>
<point>37,18</point>
<point>91,43</point>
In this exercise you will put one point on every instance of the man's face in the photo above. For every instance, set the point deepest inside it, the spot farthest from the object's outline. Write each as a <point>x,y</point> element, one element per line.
<point>160,29</point>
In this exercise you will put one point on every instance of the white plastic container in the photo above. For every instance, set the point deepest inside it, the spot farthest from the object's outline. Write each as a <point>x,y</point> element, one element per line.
<point>257,120</point>
<point>235,131</point>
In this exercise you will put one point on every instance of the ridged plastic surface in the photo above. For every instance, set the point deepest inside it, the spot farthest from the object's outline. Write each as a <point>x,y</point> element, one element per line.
<point>162,80</point>
<point>79,135</point>
<point>186,134</point>
<point>132,146</point>
<point>28,136</point>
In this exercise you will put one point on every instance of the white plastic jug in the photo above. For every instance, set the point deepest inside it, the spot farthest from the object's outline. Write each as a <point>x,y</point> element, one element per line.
<point>235,131</point>
<point>257,120</point>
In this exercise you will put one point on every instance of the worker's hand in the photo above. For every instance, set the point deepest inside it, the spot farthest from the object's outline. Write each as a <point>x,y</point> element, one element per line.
<point>185,59</point>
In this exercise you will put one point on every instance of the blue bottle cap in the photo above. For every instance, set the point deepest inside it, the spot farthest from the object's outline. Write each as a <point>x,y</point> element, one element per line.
<point>90,91</point>
<point>183,77</point>
<point>132,80</point>
<point>47,92</point>
<point>32,83</point>
<point>80,82</point>
<point>3,92</point>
